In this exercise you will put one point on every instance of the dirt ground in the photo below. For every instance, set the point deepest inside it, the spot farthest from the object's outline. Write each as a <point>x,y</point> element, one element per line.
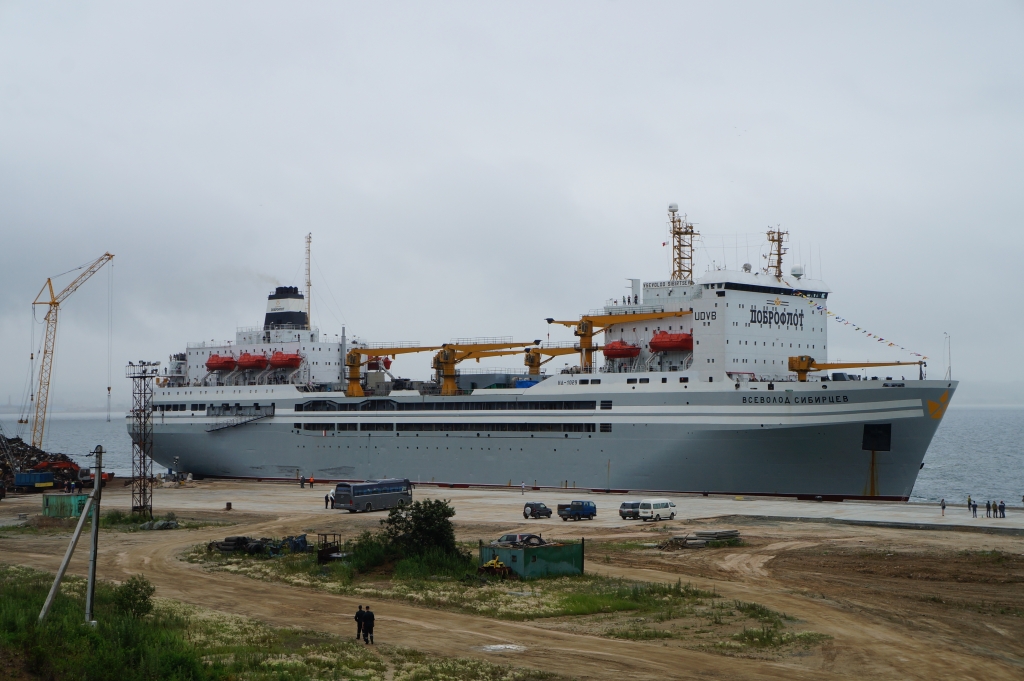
<point>897,603</point>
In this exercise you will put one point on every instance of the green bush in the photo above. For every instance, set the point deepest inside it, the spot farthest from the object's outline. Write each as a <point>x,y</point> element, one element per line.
<point>435,563</point>
<point>133,597</point>
<point>421,526</point>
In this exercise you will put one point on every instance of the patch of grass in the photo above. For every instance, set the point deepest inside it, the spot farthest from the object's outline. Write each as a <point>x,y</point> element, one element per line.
<point>435,563</point>
<point>638,632</point>
<point>723,543</point>
<point>772,637</point>
<point>761,613</point>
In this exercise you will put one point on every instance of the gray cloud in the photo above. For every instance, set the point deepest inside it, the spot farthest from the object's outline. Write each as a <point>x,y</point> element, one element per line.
<point>469,170</point>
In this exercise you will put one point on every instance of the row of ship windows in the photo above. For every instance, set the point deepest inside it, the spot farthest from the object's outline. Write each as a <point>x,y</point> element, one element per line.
<point>392,405</point>
<point>457,427</point>
<point>765,344</point>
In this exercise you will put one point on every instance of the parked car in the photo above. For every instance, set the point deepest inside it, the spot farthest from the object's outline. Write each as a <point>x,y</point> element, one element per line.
<point>629,510</point>
<point>536,509</point>
<point>657,509</point>
<point>531,539</point>
<point>577,510</point>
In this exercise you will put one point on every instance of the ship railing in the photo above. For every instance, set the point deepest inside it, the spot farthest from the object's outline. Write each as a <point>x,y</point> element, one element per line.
<point>626,310</point>
<point>508,340</point>
<point>475,371</point>
<point>562,344</point>
<point>389,346</point>
<point>275,327</point>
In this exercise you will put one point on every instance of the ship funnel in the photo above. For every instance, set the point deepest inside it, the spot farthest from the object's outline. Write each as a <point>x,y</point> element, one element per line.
<point>286,309</point>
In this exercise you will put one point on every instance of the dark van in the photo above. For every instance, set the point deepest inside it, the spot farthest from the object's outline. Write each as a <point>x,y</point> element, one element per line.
<point>629,510</point>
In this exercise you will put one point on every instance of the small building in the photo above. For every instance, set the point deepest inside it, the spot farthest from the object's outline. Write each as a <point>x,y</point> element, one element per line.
<point>63,505</point>
<point>537,561</point>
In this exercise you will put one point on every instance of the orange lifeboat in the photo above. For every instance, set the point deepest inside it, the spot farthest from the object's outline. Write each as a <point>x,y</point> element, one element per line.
<point>249,361</point>
<point>286,360</point>
<point>620,350</point>
<point>672,342</point>
<point>375,363</point>
<point>221,363</point>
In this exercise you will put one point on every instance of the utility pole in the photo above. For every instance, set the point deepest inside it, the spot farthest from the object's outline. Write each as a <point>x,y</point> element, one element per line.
<point>97,486</point>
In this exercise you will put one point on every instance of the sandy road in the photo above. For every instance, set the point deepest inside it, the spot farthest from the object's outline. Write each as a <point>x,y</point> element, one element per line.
<point>428,630</point>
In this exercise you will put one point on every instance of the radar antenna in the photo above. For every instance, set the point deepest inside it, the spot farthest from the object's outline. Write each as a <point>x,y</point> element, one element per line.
<point>683,236</point>
<point>776,237</point>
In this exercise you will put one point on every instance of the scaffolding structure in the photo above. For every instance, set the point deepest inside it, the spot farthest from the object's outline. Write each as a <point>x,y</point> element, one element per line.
<point>776,237</point>
<point>142,375</point>
<point>683,236</point>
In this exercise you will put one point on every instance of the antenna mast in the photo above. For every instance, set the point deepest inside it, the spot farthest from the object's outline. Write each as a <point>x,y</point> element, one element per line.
<point>776,237</point>
<point>682,245</point>
<point>309,284</point>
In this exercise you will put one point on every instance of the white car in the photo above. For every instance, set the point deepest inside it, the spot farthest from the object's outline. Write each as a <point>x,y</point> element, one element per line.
<point>657,509</point>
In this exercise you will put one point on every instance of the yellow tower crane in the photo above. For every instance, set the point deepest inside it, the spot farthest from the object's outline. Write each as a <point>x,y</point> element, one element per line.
<point>452,353</point>
<point>354,360</point>
<point>589,326</point>
<point>50,339</point>
<point>804,364</point>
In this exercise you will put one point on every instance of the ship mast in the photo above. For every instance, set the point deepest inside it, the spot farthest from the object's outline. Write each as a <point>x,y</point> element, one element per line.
<point>776,237</point>
<point>309,285</point>
<point>683,236</point>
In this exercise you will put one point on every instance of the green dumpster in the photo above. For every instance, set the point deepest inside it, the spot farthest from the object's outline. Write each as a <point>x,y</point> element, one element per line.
<point>63,505</point>
<point>537,561</point>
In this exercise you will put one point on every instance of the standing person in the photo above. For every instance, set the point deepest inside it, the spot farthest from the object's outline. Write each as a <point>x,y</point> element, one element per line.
<point>988,509</point>
<point>523,485</point>
<point>359,622</point>
<point>302,482</point>
<point>974,509</point>
<point>942,504</point>
<point>968,503</point>
<point>327,501</point>
<point>1002,509</point>
<point>368,626</point>
<point>311,482</point>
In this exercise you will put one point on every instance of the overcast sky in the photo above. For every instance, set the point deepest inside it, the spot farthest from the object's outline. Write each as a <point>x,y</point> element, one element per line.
<point>471,169</point>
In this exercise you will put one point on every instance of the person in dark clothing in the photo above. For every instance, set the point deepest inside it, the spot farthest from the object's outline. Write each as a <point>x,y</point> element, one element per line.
<point>359,622</point>
<point>368,626</point>
<point>1002,509</point>
<point>988,509</point>
<point>974,508</point>
<point>327,501</point>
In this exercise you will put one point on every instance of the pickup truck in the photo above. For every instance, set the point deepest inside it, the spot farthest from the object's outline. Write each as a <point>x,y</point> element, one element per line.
<point>577,510</point>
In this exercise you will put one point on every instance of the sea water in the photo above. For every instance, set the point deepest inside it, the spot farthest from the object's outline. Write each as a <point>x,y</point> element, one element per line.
<point>976,450</point>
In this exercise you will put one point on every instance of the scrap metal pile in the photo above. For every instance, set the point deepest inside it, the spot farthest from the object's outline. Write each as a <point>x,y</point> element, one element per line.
<point>261,547</point>
<point>16,455</point>
<point>699,539</point>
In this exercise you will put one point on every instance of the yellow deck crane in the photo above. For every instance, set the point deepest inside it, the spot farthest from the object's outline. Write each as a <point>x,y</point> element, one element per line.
<point>452,353</point>
<point>355,358</point>
<point>804,364</point>
<point>533,356</point>
<point>46,296</point>
<point>589,326</point>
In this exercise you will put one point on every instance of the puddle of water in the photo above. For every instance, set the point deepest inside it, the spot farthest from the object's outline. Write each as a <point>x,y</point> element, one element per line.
<point>503,648</point>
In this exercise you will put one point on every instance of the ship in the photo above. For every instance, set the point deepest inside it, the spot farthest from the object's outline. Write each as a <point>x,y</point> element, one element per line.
<point>717,384</point>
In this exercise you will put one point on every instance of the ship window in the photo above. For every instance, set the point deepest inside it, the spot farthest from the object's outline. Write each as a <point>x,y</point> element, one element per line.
<point>606,427</point>
<point>630,380</point>
<point>376,426</point>
<point>606,404</point>
<point>645,380</point>
<point>684,379</point>
<point>595,381</point>
<point>584,381</point>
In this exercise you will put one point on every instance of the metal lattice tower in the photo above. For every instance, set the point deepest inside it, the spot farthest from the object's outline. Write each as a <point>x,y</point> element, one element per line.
<point>142,375</point>
<point>776,237</point>
<point>309,284</point>
<point>683,237</point>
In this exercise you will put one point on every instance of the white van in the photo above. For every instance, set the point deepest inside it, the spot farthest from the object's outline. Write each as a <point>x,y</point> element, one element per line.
<point>656,509</point>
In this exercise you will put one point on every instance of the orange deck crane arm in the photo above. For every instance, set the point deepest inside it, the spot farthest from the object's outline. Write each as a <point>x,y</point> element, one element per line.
<point>354,361</point>
<point>533,356</point>
<point>589,326</point>
<point>47,296</point>
<point>804,364</point>
<point>452,353</point>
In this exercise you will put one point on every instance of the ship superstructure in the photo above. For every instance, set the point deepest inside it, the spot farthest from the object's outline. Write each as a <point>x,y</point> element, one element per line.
<point>694,391</point>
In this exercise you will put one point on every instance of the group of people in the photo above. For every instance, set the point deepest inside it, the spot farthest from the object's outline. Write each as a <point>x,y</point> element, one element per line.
<point>364,625</point>
<point>992,509</point>
<point>72,486</point>
<point>303,480</point>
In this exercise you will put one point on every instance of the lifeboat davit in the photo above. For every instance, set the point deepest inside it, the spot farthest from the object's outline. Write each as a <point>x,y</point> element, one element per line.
<point>250,361</point>
<point>620,350</point>
<point>672,342</point>
<point>286,360</point>
<point>221,363</point>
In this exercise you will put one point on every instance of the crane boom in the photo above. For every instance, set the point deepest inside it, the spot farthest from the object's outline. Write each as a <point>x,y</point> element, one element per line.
<point>590,325</point>
<point>50,339</point>
<point>354,360</point>
<point>453,353</point>
<point>804,364</point>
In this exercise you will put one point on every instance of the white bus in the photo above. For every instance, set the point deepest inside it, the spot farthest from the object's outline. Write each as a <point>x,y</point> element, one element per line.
<point>372,495</point>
